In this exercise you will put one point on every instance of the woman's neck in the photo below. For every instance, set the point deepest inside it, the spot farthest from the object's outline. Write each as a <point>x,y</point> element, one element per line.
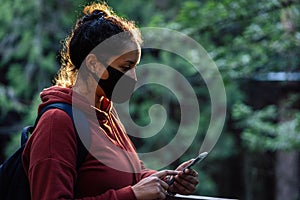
<point>90,90</point>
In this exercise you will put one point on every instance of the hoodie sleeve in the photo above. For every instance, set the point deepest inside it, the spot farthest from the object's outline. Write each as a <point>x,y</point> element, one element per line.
<point>50,157</point>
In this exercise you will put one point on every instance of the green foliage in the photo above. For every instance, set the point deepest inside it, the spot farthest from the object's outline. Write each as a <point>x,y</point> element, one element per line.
<point>30,38</point>
<point>14,75</point>
<point>6,104</point>
<point>14,144</point>
<point>262,131</point>
<point>244,38</point>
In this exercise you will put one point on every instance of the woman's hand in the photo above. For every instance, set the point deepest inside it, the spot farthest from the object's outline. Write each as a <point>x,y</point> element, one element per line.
<point>153,187</point>
<point>185,182</point>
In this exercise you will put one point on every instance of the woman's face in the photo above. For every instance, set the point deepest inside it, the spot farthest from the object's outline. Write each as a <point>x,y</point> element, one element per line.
<point>127,62</point>
<point>113,84</point>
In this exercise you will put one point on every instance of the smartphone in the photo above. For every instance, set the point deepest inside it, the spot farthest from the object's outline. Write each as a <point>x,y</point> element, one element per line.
<point>198,159</point>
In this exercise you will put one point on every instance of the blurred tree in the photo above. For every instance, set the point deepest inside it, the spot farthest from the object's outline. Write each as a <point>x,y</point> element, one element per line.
<point>29,43</point>
<point>246,39</point>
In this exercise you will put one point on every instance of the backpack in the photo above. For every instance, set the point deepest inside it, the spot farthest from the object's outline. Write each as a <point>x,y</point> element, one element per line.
<point>14,184</point>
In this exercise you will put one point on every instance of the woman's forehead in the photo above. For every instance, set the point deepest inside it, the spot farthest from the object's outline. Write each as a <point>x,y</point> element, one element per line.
<point>130,54</point>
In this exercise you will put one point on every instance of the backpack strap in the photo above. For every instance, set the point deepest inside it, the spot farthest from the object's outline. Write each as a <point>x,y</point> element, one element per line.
<point>83,128</point>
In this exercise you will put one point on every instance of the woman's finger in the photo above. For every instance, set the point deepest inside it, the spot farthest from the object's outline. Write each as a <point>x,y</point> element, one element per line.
<point>183,165</point>
<point>164,173</point>
<point>191,172</point>
<point>190,176</point>
<point>164,185</point>
<point>186,188</point>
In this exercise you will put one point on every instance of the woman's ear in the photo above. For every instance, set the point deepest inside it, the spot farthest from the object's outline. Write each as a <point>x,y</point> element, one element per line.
<point>91,62</point>
<point>93,65</point>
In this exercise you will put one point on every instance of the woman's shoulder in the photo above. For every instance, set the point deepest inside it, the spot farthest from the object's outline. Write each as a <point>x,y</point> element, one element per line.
<point>53,138</point>
<point>55,124</point>
<point>55,117</point>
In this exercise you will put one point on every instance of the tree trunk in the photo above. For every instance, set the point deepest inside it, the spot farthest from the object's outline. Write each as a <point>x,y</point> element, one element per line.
<point>248,181</point>
<point>287,162</point>
<point>287,175</point>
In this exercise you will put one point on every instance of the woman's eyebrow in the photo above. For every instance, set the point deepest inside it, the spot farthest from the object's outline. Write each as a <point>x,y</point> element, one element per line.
<point>131,62</point>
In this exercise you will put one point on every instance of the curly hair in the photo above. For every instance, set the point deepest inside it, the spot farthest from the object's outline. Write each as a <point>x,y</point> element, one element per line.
<point>98,23</point>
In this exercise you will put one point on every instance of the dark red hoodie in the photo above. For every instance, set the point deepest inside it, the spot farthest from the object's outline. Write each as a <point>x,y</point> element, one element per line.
<point>110,168</point>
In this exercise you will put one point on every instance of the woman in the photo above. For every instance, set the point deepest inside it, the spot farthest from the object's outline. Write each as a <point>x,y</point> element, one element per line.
<point>111,170</point>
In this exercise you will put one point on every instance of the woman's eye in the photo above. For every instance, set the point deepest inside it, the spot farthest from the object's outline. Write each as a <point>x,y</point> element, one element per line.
<point>126,68</point>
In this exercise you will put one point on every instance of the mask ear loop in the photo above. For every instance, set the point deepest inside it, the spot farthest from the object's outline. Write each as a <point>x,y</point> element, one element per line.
<point>94,74</point>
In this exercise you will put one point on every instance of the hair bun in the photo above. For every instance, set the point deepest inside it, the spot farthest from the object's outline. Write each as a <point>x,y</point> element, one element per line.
<point>95,15</point>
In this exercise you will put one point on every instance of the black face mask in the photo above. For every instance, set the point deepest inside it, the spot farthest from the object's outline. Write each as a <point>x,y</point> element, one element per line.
<point>118,87</point>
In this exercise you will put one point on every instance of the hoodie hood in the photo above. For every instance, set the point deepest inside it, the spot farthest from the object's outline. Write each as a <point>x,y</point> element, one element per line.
<point>56,94</point>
